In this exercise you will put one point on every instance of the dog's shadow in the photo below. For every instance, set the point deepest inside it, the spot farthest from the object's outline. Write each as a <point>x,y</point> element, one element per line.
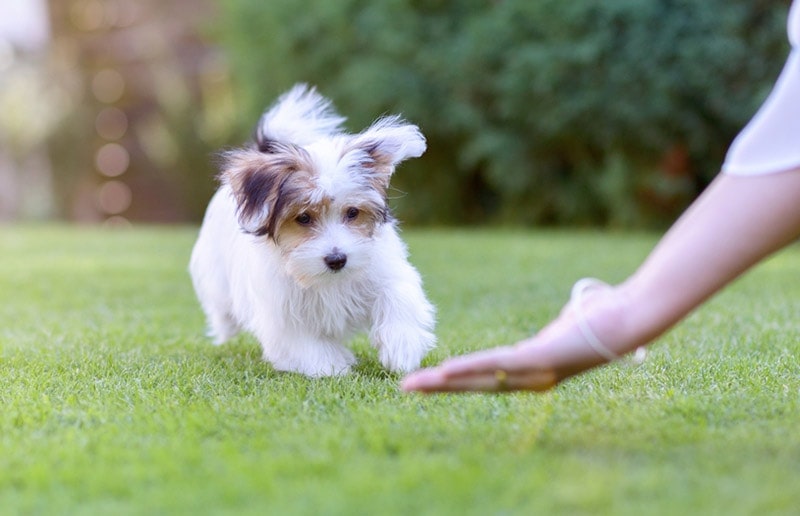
<point>243,353</point>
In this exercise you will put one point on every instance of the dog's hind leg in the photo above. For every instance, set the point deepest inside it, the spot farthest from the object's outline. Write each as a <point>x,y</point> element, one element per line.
<point>221,326</point>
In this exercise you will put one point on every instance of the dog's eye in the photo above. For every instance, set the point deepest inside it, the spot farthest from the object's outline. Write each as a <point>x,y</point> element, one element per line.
<point>352,213</point>
<point>304,219</point>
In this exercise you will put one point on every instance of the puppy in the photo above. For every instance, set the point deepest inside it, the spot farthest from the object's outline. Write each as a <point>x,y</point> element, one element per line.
<point>298,245</point>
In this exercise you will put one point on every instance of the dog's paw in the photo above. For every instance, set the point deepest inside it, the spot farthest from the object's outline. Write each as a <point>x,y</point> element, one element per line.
<point>315,360</point>
<point>314,372</point>
<point>402,351</point>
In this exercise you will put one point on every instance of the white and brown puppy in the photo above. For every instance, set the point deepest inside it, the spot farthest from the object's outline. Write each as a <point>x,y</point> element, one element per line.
<point>299,248</point>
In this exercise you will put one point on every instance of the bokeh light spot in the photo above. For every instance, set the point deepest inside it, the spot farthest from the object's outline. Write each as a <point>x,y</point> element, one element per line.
<point>114,197</point>
<point>112,160</point>
<point>111,123</point>
<point>108,86</point>
<point>88,15</point>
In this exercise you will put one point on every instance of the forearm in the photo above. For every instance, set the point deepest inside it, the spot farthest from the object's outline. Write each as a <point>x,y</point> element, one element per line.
<point>736,223</point>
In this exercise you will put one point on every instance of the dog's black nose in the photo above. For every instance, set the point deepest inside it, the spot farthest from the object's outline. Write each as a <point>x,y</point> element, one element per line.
<point>336,260</point>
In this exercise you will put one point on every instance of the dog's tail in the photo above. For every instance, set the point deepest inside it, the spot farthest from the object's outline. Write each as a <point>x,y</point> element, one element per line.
<point>300,116</point>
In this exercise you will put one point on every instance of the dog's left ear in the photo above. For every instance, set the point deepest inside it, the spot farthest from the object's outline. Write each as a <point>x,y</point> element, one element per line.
<point>386,143</point>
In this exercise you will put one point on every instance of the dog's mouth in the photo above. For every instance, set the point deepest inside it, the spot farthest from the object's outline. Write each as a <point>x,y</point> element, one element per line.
<point>332,271</point>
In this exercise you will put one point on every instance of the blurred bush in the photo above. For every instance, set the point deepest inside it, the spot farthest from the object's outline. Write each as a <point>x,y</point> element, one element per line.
<point>545,112</point>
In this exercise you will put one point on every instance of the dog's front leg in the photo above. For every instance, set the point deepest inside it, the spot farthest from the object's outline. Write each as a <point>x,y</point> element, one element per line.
<point>306,354</point>
<point>403,323</point>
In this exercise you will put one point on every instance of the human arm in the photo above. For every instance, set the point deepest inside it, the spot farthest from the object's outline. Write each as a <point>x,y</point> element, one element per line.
<point>733,225</point>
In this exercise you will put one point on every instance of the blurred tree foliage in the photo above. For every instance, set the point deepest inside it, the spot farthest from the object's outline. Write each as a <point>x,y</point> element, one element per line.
<point>545,111</point>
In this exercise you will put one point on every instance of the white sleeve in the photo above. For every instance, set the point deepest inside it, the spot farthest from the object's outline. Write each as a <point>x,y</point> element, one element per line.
<point>771,140</point>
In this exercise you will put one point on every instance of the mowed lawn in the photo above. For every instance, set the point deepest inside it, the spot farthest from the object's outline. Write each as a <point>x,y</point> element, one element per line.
<point>113,402</point>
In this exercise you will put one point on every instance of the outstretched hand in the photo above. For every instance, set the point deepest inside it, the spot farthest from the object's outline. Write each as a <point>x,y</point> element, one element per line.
<point>538,363</point>
<point>508,368</point>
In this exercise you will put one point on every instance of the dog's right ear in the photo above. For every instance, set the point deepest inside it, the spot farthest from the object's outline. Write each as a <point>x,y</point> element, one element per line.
<point>252,182</point>
<point>258,180</point>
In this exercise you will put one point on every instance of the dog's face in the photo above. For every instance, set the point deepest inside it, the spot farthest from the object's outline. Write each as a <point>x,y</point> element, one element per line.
<point>320,203</point>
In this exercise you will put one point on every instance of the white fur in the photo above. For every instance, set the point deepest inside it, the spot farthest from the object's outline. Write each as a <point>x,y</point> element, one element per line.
<point>302,312</point>
<point>398,139</point>
<point>300,116</point>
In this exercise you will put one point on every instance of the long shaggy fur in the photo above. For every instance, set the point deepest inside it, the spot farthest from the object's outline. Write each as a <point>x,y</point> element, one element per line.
<point>298,245</point>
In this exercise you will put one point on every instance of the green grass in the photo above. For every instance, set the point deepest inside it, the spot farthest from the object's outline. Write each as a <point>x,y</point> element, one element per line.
<point>113,402</point>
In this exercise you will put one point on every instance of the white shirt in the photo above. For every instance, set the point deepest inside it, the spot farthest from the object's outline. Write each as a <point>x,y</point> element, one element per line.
<point>771,140</point>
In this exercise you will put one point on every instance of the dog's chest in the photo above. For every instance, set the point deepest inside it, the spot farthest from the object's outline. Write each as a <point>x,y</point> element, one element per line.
<point>334,312</point>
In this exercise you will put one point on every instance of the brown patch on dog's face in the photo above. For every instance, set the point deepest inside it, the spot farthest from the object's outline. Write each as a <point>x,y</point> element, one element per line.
<point>267,184</point>
<point>365,217</point>
<point>298,224</point>
<point>305,221</point>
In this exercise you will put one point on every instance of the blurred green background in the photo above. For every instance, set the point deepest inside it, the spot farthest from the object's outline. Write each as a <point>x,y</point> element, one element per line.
<point>537,112</point>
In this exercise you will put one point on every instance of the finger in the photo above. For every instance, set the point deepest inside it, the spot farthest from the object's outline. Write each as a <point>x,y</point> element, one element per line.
<point>434,381</point>
<point>499,380</point>
<point>486,361</point>
<point>538,380</point>
<point>423,380</point>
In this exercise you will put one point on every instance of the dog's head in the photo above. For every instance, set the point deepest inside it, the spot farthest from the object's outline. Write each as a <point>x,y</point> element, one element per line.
<point>317,193</point>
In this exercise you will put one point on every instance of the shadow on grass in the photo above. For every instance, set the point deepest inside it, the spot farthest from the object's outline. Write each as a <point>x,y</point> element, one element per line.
<point>243,353</point>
